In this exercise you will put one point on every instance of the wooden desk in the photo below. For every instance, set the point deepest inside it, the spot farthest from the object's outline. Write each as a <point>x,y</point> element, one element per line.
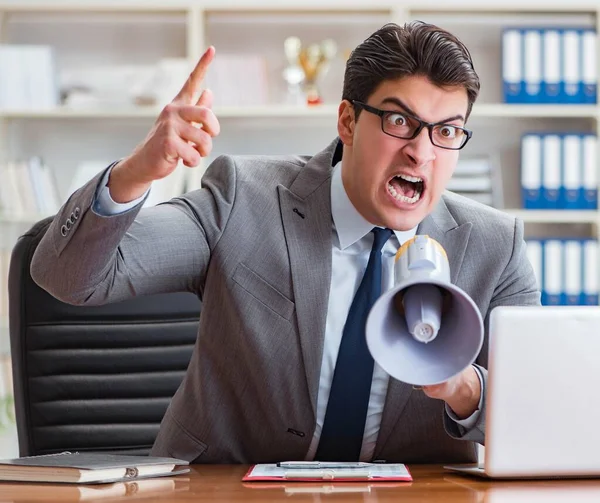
<point>216,484</point>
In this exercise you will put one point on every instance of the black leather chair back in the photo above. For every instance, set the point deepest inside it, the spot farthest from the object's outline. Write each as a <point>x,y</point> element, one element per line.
<point>93,378</point>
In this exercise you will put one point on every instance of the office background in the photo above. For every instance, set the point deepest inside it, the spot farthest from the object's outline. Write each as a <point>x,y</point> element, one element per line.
<point>81,83</point>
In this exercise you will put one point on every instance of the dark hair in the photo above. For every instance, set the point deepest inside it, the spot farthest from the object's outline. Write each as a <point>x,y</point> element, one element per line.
<point>417,48</point>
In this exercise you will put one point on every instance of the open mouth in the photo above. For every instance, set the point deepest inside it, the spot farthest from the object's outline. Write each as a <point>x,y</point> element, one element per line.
<point>406,188</point>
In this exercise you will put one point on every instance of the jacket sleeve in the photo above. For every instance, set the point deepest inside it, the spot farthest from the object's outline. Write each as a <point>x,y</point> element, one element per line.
<point>87,258</point>
<point>517,287</point>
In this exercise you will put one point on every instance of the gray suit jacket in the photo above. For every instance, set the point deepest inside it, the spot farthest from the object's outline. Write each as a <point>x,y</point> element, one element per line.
<point>255,244</point>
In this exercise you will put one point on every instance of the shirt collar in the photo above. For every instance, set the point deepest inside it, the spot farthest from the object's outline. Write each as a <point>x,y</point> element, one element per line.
<point>349,224</point>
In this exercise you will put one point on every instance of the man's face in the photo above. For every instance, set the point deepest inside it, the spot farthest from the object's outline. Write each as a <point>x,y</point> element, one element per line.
<point>376,166</point>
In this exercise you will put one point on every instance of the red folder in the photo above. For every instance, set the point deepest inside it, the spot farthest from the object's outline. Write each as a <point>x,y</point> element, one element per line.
<point>374,473</point>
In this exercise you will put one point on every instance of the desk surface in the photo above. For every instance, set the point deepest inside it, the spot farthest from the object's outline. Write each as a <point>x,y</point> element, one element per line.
<point>223,483</point>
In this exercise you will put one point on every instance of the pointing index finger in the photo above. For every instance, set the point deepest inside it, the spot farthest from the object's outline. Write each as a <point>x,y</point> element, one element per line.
<point>191,88</point>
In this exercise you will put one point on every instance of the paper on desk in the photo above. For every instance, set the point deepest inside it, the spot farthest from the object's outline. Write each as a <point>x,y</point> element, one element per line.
<point>372,471</point>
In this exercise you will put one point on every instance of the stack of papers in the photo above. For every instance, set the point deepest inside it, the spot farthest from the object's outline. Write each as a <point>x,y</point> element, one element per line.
<point>332,471</point>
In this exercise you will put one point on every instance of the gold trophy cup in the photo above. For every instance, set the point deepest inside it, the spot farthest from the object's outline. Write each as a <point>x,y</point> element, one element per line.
<point>313,60</point>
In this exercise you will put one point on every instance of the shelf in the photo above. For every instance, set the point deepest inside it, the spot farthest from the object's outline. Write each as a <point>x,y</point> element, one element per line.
<point>269,111</point>
<point>82,113</point>
<point>510,6</point>
<point>78,6</point>
<point>274,111</point>
<point>209,5</point>
<point>533,111</point>
<point>297,5</point>
<point>556,216</point>
<point>277,111</point>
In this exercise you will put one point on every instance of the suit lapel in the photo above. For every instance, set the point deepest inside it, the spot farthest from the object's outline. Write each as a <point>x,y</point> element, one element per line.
<point>306,215</point>
<point>441,226</point>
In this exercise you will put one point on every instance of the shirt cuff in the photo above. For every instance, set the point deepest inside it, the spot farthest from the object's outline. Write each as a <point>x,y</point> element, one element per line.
<point>105,206</point>
<point>470,421</point>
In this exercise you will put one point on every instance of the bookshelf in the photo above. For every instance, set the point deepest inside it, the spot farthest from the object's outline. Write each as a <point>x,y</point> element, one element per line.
<point>327,111</point>
<point>85,33</point>
<point>556,216</point>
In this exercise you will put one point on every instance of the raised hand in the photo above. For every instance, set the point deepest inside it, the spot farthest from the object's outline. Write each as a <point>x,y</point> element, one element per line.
<point>183,130</point>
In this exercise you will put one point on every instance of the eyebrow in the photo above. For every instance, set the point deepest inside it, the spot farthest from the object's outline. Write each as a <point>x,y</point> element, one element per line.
<point>399,103</point>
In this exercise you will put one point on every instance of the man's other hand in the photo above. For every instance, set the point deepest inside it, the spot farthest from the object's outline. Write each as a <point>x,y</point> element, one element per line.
<point>461,392</point>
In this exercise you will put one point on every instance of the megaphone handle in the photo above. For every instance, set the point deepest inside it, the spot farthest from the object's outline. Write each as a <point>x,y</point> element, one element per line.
<point>417,388</point>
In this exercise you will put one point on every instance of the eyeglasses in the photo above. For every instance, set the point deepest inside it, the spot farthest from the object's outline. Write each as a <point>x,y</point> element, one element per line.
<point>403,125</point>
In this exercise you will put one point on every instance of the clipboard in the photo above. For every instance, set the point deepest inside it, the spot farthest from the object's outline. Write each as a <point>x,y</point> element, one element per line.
<point>318,472</point>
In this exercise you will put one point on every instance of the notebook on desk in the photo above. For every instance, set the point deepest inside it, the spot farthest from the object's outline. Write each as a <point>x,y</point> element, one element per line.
<point>542,406</point>
<point>88,468</point>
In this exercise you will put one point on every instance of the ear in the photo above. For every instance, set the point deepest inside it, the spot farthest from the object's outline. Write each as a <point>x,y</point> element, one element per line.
<point>346,123</point>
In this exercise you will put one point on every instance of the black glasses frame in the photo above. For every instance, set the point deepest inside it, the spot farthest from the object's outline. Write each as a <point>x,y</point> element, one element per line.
<point>422,124</point>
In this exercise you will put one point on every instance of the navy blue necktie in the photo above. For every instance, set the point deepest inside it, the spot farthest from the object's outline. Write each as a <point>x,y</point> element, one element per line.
<point>344,424</point>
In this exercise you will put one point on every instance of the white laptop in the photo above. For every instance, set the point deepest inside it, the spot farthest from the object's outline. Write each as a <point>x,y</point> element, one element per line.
<point>543,398</point>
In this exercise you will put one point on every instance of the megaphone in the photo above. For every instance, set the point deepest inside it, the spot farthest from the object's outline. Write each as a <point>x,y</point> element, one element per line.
<point>424,330</point>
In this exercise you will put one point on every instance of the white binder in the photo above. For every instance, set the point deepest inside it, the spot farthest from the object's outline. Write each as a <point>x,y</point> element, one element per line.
<point>551,67</point>
<point>533,65</point>
<point>571,65</point>
<point>551,171</point>
<point>590,278</point>
<point>531,171</point>
<point>553,271</point>
<point>590,173</point>
<point>512,64</point>
<point>589,69</point>
<point>534,254</point>
<point>572,171</point>
<point>573,272</point>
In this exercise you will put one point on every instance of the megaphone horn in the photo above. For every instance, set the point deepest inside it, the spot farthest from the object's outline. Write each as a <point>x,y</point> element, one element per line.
<point>425,329</point>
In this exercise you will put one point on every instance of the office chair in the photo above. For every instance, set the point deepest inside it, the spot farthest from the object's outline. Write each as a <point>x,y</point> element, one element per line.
<point>95,378</point>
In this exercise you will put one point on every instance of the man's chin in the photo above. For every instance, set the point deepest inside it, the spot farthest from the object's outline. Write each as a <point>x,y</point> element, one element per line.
<point>405,219</point>
<point>405,222</point>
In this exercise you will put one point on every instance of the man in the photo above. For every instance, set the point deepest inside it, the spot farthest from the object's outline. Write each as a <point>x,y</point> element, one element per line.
<point>280,249</point>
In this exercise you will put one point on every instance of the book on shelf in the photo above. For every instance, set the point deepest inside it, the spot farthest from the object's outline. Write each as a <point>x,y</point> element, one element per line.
<point>107,86</point>
<point>566,270</point>
<point>549,65</point>
<point>161,190</point>
<point>88,468</point>
<point>28,77</point>
<point>156,84</point>
<point>228,71</point>
<point>559,171</point>
<point>28,188</point>
<point>478,178</point>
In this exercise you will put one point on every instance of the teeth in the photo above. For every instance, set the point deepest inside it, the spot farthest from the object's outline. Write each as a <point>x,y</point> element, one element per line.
<point>408,178</point>
<point>404,199</point>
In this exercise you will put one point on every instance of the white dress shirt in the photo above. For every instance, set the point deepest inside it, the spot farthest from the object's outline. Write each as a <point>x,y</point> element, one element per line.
<point>105,205</point>
<point>352,243</point>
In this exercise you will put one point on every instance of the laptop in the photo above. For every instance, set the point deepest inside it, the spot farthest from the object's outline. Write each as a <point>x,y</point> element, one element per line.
<point>543,397</point>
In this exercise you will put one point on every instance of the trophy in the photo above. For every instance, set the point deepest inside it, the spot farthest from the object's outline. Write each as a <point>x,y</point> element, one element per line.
<point>307,65</point>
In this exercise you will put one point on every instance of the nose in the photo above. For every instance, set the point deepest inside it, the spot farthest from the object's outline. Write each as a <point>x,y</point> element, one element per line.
<point>420,150</point>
